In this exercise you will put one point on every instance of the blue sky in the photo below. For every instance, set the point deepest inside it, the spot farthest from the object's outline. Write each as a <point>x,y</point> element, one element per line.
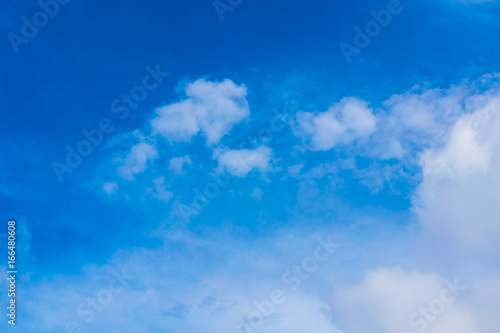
<point>225,137</point>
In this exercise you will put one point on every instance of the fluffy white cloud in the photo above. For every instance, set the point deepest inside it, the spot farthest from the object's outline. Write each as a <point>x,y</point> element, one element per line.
<point>176,164</point>
<point>344,123</point>
<point>389,300</point>
<point>182,291</point>
<point>211,108</point>
<point>459,196</point>
<point>457,208</point>
<point>137,159</point>
<point>410,123</point>
<point>240,162</point>
<point>417,118</point>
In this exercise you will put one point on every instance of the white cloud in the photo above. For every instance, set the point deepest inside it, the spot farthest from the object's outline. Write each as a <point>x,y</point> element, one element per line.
<point>240,162</point>
<point>344,123</point>
<point>176,164</point>
<point>195,296</point>
<point>136,161</point>
<point>416,119</point>
<point>457,208</point>
<point>408,124</point>
<point>416,110</point>
<point>459,196</point>
<point>300,314</point>
<point>389,300</point>
<point>211,108</point>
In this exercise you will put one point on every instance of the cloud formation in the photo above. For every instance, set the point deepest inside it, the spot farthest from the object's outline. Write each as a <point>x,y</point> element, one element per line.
<point>240,162</point>
<point>459,195</point>
<point>390,300</point>
<point>137,160</point>
<point>343,123</point>
<point>211,108</point>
